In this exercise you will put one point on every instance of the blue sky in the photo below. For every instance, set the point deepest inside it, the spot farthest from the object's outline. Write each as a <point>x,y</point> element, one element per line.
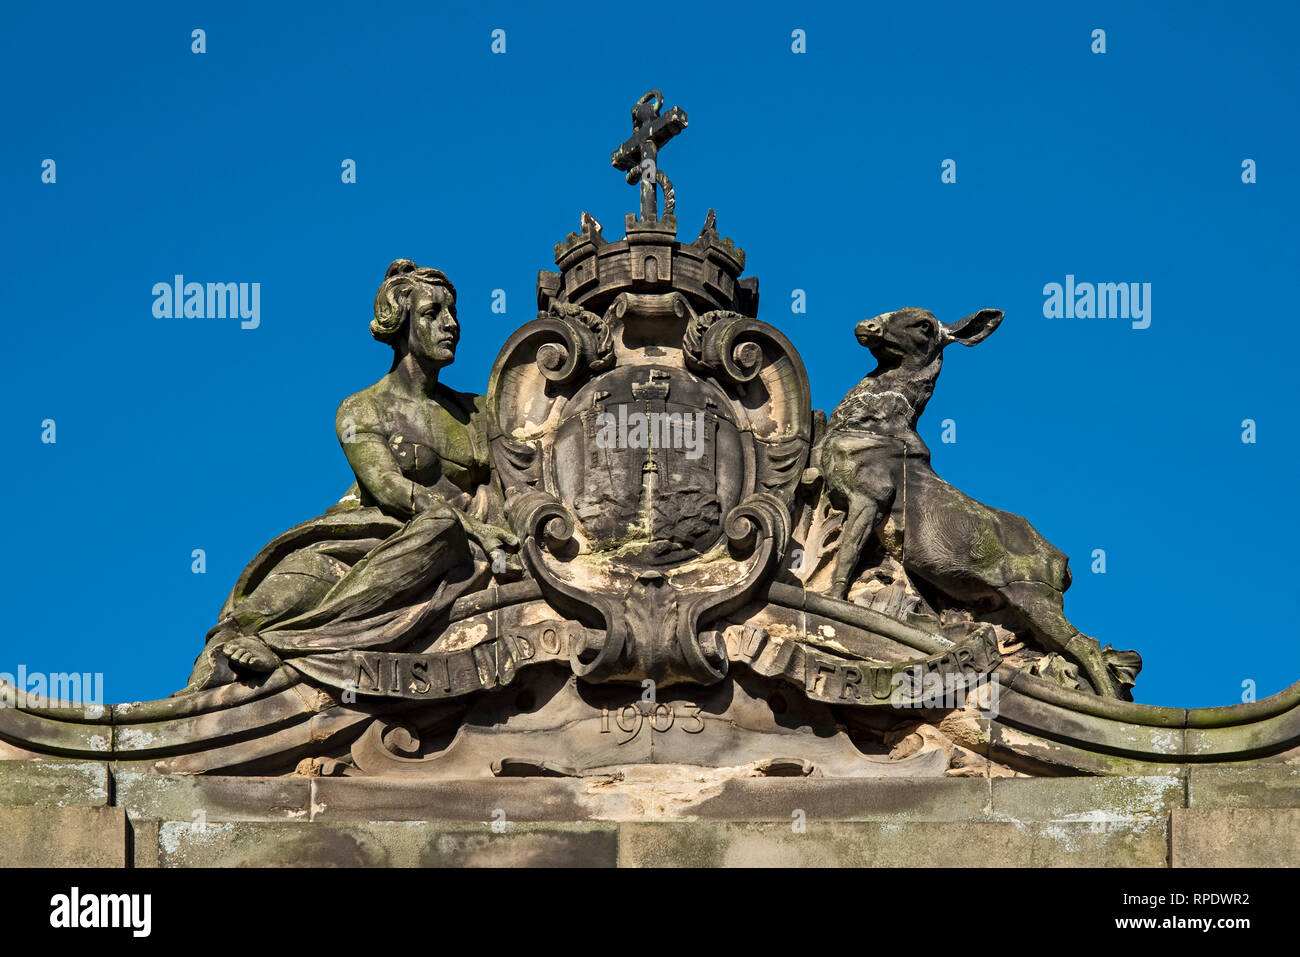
<point>177,434</point>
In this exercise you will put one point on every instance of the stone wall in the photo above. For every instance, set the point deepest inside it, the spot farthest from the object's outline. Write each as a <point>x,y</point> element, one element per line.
<point>83,814</point>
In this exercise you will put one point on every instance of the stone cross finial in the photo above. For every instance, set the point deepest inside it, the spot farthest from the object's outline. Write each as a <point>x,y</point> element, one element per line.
<point>638,156</point>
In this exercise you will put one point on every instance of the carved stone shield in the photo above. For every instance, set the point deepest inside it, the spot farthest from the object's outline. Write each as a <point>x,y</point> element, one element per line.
<point>649,458</point>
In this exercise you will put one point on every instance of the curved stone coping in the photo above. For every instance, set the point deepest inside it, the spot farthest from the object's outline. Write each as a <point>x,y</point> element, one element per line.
<point>140,712</point>
<point>42,734</point>
<point>291,706</point>
<point>173,734</point>
<point>275,747</point>
<point>1083,702</point>
<point>1145,732</point>
<point>1221,716</point>
<point>1131,712</point>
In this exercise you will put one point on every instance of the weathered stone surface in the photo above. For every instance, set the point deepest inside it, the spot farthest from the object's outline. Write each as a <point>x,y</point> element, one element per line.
<point>187,797</point>
<point>1240,816</point>
<point>670,793</point>
<point>1235,837</point>
<point>896,844</point>
<point>520,799</point>
<point>883,799</point>
<point>1089,731</point>
<point>1034,752</point>
<point>57,783</point>
<point>144,843</point>
<point>63,837</point>
<point>1243,786</point>
<point>45,735</point>
<point>390,844</point>
<point>1242,741</point>
<point>1086,799</point>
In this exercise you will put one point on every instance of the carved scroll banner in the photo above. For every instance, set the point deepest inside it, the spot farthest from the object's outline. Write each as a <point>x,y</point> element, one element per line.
<point>834,680</point>
<point>455,674</point>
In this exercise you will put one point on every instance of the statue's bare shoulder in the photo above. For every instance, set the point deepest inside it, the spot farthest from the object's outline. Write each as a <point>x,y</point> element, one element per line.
<point>361,413</point>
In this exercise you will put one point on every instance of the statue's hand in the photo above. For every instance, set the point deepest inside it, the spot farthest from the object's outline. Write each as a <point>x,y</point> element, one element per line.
<point>495,540</point>
<point>491,537</point>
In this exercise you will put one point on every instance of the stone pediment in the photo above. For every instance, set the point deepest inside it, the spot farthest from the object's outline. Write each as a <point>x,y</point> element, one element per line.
<point>643,547</point>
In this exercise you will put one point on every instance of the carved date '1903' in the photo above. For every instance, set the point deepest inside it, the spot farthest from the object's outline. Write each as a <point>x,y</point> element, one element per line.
<point>659,716</point>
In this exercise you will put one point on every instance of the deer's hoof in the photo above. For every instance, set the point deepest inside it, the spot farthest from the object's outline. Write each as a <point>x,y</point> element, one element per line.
<point>1112,673</point>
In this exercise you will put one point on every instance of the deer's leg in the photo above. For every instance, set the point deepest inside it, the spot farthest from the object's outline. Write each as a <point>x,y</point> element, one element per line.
<point>1039,605</point>
<point>864,514</point>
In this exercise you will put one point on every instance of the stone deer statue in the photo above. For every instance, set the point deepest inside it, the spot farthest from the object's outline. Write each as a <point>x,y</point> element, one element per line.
<point>877,470</point>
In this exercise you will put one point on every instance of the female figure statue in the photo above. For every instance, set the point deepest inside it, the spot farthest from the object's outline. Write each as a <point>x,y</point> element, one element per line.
<point>416,530</point>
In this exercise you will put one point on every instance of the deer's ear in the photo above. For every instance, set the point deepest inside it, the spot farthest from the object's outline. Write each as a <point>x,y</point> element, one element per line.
<point>974,328</point>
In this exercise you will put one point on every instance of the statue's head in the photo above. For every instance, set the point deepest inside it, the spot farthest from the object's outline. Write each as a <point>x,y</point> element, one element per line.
<point>415,313</point>
<point>915,334</point>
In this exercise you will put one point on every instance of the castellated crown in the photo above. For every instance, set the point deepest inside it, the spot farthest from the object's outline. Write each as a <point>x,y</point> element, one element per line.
<point>649,259</point>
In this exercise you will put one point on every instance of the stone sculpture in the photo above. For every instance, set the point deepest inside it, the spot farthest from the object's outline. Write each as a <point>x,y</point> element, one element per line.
<point>643,546</point>
<point>410,536</point>
<point>878,470</point>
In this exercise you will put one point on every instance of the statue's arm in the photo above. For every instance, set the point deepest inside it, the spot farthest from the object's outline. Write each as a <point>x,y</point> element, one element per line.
<point>373,463</point>
<point>378,472</point>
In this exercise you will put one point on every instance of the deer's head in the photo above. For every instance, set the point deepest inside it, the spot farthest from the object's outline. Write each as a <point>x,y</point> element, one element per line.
<point>914,335</point>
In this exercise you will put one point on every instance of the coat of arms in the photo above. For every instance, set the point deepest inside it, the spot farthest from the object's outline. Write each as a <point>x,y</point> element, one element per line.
<point>641,545</point>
